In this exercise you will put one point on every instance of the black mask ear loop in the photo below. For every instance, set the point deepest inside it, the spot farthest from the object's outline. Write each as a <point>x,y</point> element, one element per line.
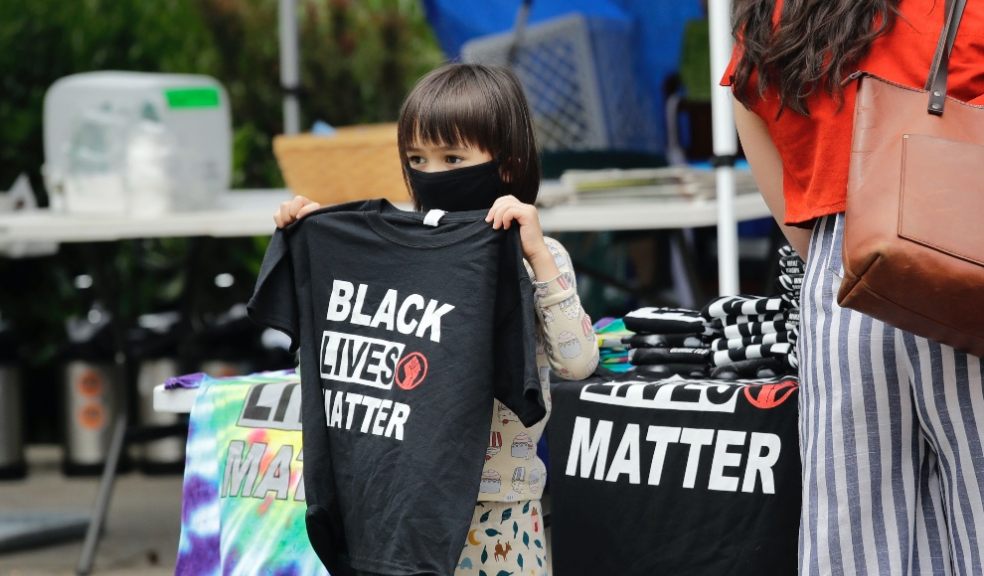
<point>504,174</point>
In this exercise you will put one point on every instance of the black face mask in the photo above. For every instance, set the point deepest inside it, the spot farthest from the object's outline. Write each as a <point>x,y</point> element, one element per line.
<point>472,188</point>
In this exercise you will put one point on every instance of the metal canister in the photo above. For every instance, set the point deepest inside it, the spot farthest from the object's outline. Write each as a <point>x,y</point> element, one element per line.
<point>228,346</point>
<point>93,397</point>
<point>154,351</point>
<point>165,455</point>
<point>12,463</point>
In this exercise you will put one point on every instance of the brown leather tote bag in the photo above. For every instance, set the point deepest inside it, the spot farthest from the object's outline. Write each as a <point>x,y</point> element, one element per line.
<point>914,225</point>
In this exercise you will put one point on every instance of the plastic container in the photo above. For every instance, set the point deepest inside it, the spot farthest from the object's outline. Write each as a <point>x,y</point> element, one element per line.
<point>133,142</point>
<point>93,176</point>
<point>581,82</point>
<point>153,169</point>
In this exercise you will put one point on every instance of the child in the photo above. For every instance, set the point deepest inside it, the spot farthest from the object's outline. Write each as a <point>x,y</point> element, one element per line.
<point>467,142</point>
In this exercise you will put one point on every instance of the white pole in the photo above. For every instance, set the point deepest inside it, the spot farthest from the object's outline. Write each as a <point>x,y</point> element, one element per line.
<point>289,66</point>
<point>725,145</point>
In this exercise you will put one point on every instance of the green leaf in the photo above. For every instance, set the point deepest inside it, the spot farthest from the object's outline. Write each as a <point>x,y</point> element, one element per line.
<point>485,555</point>
<point>484,517</point>
<point>503,573</point>
<point>539,562</point>
<point>492,532</point>
<point>482,573</point>
<point>526,508</point>
<point>537,542</point>
<point>526,538</point>
<point>519,560</point>
<point>515,529</point>
<point>506,515</point>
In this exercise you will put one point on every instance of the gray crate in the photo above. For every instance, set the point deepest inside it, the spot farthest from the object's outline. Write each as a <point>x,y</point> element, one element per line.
<point>579,75</point>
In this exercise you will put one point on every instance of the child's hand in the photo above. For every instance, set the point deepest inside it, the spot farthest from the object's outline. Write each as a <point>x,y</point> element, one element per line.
<point>294,209</point>
<point>508,209</point>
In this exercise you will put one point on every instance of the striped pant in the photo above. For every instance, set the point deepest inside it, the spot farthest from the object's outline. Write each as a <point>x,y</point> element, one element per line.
<point>891,437</point>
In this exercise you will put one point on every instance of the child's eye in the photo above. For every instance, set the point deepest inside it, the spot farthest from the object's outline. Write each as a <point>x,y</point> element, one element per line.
<point>453,159</point>
<point>415,160</point>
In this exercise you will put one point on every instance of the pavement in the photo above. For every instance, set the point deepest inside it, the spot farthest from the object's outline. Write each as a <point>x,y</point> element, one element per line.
<point>141,531</point>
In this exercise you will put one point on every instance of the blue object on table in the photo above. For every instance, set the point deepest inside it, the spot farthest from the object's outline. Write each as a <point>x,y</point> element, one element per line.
<point>322,128</point>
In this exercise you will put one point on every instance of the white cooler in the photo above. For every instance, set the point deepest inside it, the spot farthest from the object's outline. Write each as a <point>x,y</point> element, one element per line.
<point>136,143</point>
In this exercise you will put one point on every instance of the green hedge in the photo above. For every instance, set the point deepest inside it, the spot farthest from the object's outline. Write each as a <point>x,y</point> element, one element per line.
<point>358,60</point>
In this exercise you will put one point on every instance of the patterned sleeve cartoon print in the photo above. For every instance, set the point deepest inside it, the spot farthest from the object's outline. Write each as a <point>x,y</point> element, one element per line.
<point>568,336</point>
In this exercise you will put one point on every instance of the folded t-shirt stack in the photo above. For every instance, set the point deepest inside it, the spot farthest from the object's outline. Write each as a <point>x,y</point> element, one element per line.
<point>613,352</point>
<point>668,342</point>
<point>759,337</point>
<point>791,271</point>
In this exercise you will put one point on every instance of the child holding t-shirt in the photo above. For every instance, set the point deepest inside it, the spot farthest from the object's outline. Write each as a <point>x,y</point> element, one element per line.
<point>467,142</point>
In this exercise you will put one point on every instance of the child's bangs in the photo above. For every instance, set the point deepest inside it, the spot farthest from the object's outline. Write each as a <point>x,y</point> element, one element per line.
<point>445,119</point>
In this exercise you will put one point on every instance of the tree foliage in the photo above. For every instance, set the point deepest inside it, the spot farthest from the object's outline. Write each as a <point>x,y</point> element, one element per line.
<point>358,60</point>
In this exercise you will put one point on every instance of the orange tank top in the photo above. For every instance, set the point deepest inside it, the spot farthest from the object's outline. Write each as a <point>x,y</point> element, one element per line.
<point>815,149</point>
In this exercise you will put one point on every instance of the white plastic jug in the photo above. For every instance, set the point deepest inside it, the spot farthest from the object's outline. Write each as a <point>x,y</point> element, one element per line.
<point>154,168</point>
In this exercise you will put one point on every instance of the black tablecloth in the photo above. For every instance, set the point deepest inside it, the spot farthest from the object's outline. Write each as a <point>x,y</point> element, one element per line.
<point>675,477</point>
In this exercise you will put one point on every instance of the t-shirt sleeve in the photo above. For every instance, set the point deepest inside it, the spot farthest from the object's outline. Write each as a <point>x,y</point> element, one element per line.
<point>569,338</point>
<point>274,301</point>
<point>728,78</point>
<point>516,381</point>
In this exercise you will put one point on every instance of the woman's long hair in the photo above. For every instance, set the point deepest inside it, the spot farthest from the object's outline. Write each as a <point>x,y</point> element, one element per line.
<point>814,47</point>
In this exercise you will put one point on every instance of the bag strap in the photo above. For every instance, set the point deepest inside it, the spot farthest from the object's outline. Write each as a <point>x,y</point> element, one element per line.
<point>936,83</point>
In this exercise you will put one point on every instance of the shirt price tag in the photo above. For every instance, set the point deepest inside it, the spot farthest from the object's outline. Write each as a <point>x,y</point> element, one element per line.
<point>433,217</point>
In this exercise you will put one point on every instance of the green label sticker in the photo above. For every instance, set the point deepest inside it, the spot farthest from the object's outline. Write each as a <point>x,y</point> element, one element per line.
<point>192,97</point>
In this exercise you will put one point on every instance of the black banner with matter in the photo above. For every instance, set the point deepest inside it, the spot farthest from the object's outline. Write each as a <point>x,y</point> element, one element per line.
<point>674,477</point>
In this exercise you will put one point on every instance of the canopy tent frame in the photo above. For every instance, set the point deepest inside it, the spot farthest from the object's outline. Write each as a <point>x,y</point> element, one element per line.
<point>725,140</point>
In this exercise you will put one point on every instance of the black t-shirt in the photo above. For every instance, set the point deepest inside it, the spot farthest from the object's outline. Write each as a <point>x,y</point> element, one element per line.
<point>675,476</point>
<point>406,331</point>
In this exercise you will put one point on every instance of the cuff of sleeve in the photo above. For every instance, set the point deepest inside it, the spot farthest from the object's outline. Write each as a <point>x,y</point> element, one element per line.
<point>553,291</point>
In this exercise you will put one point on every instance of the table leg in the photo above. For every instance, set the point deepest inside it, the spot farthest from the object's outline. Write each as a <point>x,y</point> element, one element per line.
<point>101,507</point>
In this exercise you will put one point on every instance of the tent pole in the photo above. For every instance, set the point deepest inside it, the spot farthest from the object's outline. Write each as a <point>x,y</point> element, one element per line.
<point>725,146</point>
<point>289,66</point>
<point>519,29</point>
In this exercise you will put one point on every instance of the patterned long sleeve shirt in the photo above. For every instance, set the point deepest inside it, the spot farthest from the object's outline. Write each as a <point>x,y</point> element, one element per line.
<point>566,345</point>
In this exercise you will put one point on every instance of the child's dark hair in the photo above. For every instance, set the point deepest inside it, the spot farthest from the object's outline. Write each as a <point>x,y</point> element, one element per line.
<point>483,106</point>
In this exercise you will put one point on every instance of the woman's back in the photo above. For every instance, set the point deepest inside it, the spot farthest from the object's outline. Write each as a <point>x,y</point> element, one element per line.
<point>815,149</point>
<point>892,481</point>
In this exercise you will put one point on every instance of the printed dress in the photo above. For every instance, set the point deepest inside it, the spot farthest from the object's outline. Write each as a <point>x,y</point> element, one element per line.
<point>507,527</point>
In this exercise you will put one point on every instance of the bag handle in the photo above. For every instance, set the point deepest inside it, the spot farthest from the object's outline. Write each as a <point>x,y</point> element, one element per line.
<point>936,83</point>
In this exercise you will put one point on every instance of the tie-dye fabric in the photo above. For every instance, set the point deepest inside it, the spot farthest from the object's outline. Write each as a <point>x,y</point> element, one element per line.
<point>243,497</point>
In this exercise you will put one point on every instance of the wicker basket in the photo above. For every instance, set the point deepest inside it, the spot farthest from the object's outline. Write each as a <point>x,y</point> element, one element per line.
<point>355,163</point>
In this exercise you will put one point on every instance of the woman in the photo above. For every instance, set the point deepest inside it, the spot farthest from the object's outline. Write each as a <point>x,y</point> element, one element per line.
<point>892,424</point>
